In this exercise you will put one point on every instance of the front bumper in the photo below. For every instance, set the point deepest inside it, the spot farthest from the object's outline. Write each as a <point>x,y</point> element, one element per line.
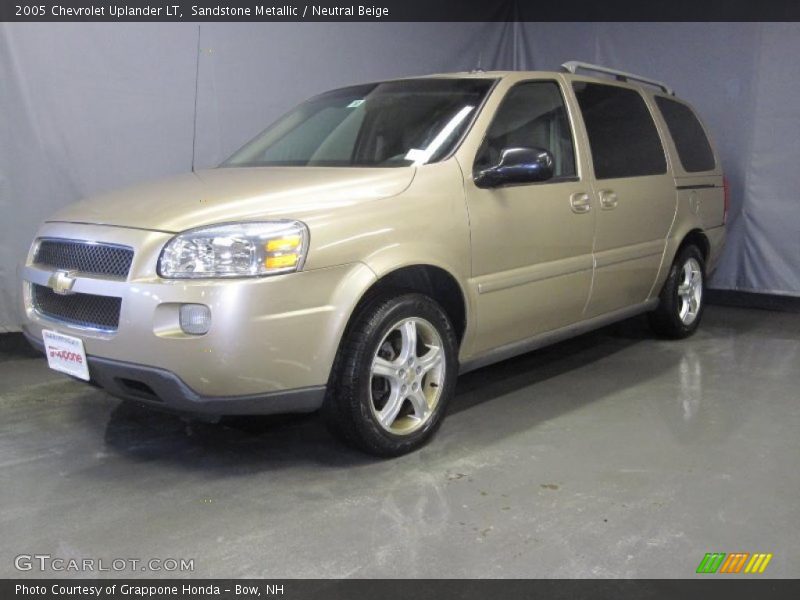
<point>269,336</point>
<point>160,388</point>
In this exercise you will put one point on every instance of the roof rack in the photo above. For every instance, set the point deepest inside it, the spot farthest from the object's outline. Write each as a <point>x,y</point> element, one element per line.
<point>573,65</point>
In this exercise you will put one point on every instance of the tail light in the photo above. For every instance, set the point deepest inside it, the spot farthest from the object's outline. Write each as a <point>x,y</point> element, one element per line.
<point>727,191</point>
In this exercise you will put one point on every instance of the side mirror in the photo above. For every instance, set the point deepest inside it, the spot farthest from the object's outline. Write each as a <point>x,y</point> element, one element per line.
<point>517,165</point>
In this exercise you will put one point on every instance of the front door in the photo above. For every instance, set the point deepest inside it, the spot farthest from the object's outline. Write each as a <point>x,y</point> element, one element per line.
<point>531,243</point>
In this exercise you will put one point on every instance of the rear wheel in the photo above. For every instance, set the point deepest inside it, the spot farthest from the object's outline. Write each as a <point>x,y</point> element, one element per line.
<point>394,375</point>
<point>682,298</point>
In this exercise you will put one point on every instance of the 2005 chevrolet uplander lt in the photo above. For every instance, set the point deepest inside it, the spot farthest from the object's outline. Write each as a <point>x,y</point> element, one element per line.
<point>379,239</point>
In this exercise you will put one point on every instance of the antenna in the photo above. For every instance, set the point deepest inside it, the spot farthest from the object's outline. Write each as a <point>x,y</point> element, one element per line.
<point>479,68</point>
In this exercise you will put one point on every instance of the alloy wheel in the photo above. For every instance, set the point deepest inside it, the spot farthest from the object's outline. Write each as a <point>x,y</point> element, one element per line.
<point>407,376</point>
<point>690,291</point>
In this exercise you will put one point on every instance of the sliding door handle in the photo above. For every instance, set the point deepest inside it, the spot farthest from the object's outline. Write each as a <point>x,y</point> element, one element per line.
<point>580,202</point>
<point>608,200</point>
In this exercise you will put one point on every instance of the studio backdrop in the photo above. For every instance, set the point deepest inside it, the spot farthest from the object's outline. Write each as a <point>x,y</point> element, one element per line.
<point>89,107</point>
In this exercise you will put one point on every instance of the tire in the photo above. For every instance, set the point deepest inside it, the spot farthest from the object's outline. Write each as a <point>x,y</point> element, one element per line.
<point>385,397</point>
<point>682,299</point>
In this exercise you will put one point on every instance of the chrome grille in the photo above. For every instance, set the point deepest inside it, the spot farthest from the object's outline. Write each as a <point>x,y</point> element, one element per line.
<point>79,310</point>
<point>91,258</point>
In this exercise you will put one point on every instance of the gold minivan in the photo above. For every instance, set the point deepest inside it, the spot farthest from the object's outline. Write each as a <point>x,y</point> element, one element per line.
<point>380,239</point>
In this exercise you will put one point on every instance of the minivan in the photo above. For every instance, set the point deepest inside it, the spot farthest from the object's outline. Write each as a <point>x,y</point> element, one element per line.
<point>378,240</point>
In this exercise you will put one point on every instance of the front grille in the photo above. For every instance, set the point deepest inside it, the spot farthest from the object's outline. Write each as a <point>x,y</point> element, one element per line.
<point>91,258</point>
<point>80,310</point>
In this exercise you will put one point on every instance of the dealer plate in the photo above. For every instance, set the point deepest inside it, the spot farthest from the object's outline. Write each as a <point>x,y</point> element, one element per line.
<point>65,354</point>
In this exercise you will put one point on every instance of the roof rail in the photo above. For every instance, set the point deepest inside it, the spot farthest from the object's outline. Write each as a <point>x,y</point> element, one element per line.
<point>573,65</point>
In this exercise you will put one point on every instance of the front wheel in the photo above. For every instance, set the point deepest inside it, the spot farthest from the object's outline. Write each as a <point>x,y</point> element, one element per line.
<point>682,298</point>
<point>394,375</point>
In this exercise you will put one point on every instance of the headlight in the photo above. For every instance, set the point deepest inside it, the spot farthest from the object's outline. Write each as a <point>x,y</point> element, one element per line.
<point>235,250</point>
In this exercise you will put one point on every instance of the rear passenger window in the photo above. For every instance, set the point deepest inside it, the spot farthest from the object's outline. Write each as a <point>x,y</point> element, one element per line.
<point>622,135</point>
<point>691,142</point>
<point>531,115</point>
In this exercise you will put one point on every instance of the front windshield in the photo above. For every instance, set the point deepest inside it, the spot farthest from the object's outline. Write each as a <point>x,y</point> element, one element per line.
<point>392,124</point>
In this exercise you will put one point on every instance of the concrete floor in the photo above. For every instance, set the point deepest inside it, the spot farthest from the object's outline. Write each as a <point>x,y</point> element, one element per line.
<point>611,455</point>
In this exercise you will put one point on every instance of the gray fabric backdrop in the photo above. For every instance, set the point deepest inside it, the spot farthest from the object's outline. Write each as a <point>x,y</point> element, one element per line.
<point>89,107</point>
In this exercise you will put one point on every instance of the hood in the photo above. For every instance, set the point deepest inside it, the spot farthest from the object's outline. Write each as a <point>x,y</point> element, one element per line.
<point>237,194</point>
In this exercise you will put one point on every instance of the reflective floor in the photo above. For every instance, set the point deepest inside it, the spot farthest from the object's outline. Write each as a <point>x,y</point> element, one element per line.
<point>611,455</point>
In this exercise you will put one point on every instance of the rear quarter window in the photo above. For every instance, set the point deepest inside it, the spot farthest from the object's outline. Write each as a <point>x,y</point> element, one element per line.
<point>691,142</point>
<point>622,135</point>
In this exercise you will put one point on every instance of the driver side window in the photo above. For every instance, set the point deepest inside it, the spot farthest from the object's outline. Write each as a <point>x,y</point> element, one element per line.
<point>531,115</point>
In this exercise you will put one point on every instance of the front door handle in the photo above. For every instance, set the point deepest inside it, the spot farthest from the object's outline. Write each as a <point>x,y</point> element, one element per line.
<point>580,202</point>
<point>608,200</point>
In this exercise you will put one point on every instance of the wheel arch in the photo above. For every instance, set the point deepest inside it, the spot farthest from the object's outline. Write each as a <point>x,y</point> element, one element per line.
<point>432,280</point>
<point>697,238</point>
<point>675,243</point>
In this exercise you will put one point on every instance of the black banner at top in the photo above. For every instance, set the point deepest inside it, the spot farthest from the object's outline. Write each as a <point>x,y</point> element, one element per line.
<point>398,10</point>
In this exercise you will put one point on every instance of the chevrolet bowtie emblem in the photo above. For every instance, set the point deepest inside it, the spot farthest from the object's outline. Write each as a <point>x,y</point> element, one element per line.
<point>61,282</point>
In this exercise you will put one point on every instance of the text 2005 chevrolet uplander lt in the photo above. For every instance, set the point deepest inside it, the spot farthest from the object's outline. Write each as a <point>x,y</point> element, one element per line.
<point>379,239</point>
